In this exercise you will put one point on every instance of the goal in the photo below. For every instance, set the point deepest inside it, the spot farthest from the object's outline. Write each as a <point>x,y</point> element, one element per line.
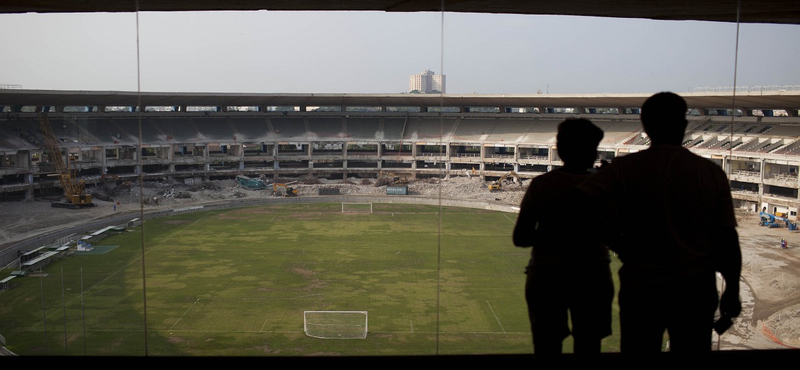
<point>335,324</point>
<point>356,207</point>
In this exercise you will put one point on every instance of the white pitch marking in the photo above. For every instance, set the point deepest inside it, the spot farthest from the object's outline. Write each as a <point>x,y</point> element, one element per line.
<point>180,231</point>
<point>495,316</point>
<point>308,295</point>
<point>126,266</point>
<point>184,314</point>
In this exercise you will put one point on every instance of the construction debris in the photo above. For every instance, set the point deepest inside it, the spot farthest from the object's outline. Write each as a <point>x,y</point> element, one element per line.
<point>172,193</point>
<point>250,183</point>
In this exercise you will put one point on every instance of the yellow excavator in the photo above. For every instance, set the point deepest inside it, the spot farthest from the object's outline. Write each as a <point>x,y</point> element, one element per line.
<point>394,178</point>
<point>283,190</point>
<point>498,185</point>
<point>74,189</point>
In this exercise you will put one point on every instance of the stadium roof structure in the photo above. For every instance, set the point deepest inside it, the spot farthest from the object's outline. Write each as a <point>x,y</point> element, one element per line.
<point>789,100</point>
<point>751,11</point>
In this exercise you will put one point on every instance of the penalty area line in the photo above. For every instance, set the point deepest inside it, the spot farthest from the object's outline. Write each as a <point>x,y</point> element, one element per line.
<point>184,314</point>
<point>180,231</point>
<point>495,316</point>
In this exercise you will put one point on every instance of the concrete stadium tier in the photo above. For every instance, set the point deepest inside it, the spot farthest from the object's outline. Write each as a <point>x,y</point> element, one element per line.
<point>759,147</point>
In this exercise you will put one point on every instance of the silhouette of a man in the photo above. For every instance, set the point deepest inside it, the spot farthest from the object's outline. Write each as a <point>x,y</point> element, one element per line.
<point>668,213</point>
<point>568,273</point>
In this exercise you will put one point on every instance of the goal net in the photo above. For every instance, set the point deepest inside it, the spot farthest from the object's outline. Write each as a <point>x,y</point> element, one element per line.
<point>335,324</point>
<point>356,207</point>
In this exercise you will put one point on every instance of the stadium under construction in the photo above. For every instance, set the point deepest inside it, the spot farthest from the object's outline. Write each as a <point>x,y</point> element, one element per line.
<point>190,137</point>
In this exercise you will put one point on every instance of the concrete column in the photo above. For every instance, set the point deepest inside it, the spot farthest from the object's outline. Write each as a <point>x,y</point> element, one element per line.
<point>762,166</point>
<point>29,189</point>
<point>103,158</point>
<point>725,163</point>
<point>24,160</point>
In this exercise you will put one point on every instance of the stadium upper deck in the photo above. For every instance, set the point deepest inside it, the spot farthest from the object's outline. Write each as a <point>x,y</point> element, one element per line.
<point>341,135</point>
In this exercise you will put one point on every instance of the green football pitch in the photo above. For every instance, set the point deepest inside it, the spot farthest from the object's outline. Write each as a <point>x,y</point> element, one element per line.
<point>236,283</point>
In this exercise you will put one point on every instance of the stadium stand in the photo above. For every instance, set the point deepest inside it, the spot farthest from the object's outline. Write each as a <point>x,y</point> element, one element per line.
<point>348,142</point>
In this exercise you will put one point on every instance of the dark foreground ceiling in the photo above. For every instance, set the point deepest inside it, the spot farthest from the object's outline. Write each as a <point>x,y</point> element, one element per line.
<point>752,11</point>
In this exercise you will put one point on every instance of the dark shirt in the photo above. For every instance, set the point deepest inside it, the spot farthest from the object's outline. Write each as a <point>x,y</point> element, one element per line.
<point>548,222</point>
<point>663,210</point>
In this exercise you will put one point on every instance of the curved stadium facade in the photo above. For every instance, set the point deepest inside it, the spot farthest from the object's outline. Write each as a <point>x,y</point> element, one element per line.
<point>194,136</point>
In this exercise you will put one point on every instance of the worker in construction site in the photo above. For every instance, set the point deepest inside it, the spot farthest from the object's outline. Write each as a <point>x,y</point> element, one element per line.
<point>668,214</point>
<point>568,276</point>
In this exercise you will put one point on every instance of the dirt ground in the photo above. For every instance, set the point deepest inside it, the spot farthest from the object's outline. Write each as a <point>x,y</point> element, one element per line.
<point>770,275</point>
<point>771,288</point>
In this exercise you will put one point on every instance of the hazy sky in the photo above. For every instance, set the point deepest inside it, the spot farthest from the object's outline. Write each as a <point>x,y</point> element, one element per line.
<point>374,52</point>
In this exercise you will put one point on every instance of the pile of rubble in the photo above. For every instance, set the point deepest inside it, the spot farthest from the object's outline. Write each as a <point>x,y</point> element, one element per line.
<point>168,192</point>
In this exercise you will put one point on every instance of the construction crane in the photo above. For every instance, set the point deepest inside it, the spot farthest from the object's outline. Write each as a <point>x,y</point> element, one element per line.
<point>74,189</point>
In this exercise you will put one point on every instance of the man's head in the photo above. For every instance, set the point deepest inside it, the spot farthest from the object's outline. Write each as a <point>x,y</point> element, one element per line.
<point>577,142</point>
<point>664,118</point>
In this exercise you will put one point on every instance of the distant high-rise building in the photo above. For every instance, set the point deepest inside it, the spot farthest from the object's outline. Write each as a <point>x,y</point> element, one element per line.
<point>427,82</point>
